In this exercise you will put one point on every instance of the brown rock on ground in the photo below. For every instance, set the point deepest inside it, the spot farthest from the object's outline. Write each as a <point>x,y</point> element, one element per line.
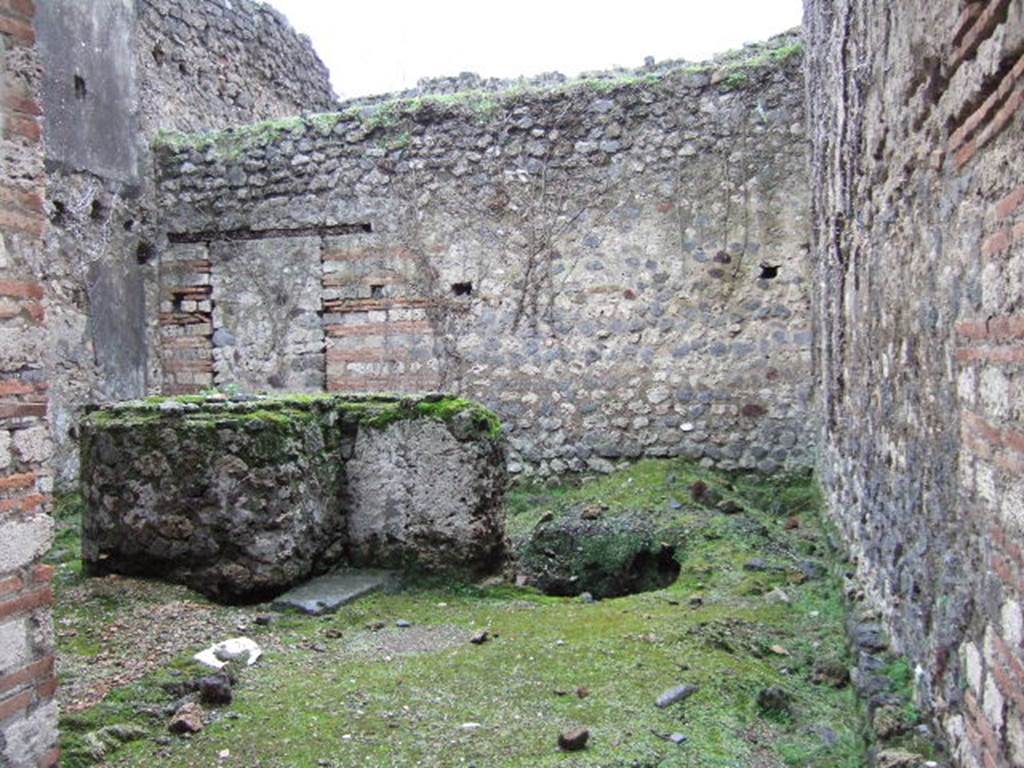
<point>188,719</point>
<point>574,740</point>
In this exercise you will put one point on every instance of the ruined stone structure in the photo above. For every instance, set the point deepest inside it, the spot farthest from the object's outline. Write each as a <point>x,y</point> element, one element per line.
<point>118,72</point>
<point>619,269</point>
<point>241,500</point>
<point>918,138</point>
<point>28,714</point>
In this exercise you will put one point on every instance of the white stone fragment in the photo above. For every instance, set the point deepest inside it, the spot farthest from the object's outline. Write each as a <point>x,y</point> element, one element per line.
<point>236,649</point>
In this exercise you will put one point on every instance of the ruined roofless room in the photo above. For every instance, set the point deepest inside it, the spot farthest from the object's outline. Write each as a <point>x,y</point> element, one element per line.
<point>450,384</point>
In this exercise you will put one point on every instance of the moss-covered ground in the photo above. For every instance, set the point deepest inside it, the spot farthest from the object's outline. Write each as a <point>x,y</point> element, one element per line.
<point>355,689</point>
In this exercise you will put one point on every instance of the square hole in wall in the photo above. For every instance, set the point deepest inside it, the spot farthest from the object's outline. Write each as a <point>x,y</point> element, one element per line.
<point>376,291</point>
<point>144,252</point>
<point>462,289</point>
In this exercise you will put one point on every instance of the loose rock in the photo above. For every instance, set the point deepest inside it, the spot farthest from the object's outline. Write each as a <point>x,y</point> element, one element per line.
<point>480,637</point>
<point>729,507</point>
<point>677,694</point>
<point>889,721</point>
<point>215,690</point>
<point>775,699</point>
<point>188,719</point>
<point>830,672</point>
<point>574,740</point>
<point>240,649</point>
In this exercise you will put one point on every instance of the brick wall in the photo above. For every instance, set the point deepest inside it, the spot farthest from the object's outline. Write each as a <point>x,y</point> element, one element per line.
<point>377,319</point>
<point>918,130</point>
<point>186,324</point>
<point>27,710</point>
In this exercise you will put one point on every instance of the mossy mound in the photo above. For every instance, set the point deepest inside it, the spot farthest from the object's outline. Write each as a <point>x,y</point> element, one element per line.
<point>607,558</point>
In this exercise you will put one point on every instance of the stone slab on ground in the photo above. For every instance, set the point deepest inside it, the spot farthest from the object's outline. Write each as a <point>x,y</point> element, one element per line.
<point>329,592</point>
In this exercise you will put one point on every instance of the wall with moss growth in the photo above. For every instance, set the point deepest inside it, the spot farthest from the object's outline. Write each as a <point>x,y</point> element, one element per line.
<point>243,498</point>
<point>616,265</point>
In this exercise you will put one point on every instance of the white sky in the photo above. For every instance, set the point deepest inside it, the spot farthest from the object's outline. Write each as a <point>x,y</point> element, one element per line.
<point>375,46</point>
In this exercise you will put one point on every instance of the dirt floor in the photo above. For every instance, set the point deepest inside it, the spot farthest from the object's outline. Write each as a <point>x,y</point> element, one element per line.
<point>754,621</point>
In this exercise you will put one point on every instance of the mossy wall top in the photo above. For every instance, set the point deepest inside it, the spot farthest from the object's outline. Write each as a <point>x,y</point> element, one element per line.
<point>374,411</point>
<point>618,267</point>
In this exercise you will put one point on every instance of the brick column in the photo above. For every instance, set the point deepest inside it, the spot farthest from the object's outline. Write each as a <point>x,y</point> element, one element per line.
<point>28,712</point>
<point>186,320</point>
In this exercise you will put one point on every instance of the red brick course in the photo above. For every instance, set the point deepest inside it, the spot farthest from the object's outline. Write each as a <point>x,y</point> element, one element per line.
<point>19,31</point>
<point>38,671</point>
<point>386,328</point>
<point>24,505</point>
<point>36,597</point>
<point>23,403</point>
<point>979,27</point>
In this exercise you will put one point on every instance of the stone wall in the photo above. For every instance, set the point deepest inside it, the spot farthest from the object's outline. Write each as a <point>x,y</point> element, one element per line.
<point>619,267</point>
<point>28,713</point>
<point>90,105</point>
<point>917,127</point>
<point>216,63</point>
<point>119,71</point>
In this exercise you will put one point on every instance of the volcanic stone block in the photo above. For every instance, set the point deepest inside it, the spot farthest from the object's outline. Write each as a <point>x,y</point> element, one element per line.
<point>241,500</point>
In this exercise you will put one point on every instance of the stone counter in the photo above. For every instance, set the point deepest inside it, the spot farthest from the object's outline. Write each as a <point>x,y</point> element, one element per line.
<point>241,500</point>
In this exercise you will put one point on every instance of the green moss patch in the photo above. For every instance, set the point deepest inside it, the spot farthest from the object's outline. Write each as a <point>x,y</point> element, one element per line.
<point>371,410</point>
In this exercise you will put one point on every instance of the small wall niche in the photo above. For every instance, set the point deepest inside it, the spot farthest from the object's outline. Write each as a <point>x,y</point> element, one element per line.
<point>377,291</point>
<point>144,252</point>
<point>462,289</point>
<point>98,210</point>
<point>81,89</point>
<point>769,271</point>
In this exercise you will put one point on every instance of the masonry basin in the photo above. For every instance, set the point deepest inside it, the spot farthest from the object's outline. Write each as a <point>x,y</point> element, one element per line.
<point>243,498</point>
